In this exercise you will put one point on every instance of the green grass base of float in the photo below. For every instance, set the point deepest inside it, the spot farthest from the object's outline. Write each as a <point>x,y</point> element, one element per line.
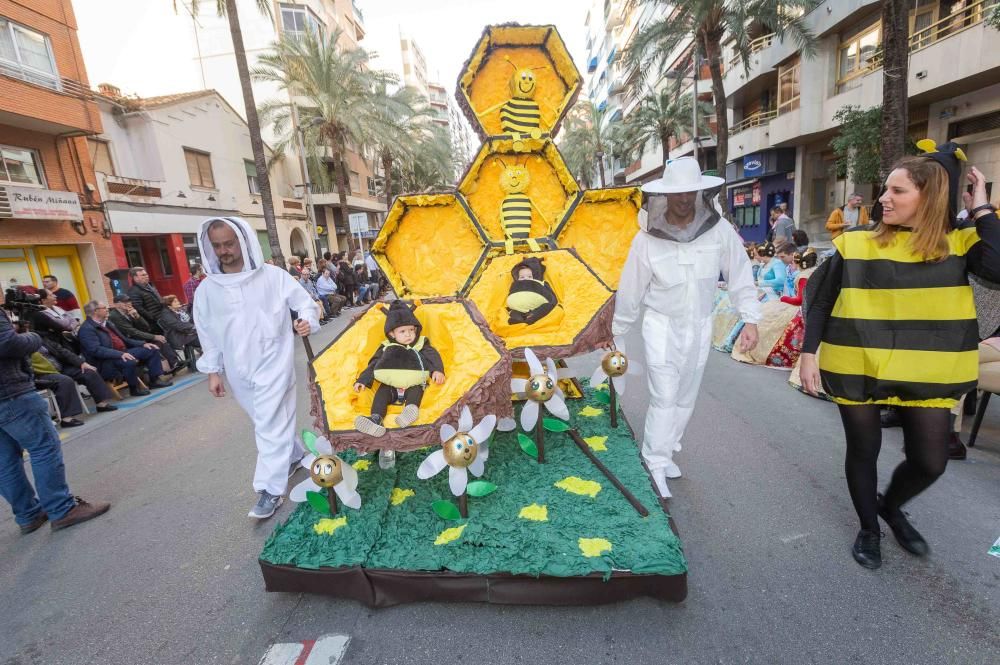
<point>402,535</point>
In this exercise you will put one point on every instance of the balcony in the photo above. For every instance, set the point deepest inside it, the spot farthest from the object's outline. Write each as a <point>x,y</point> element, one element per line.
<point>120,188</point>
<point>755,47</point>
<point>592,65</point>
<point>359,16</point>
<point>751,134</point>
<point>47,105</point>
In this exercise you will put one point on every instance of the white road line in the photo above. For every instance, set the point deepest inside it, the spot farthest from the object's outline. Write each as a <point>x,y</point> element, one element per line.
<point>328,650</point>
<point>282,654</point>
<point>789,539</point>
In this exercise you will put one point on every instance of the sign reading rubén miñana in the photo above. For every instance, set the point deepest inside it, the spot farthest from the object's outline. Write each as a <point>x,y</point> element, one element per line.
<point>32,203</point>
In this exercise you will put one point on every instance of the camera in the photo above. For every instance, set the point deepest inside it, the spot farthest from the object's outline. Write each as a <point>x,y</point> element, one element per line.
<point>18,302</point>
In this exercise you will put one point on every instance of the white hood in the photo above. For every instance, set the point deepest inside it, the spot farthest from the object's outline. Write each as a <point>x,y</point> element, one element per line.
<point>253,255</point>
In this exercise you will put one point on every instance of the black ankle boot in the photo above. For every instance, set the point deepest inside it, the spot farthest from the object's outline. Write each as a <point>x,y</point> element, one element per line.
<point>907,537</point>
<point>867,549</point>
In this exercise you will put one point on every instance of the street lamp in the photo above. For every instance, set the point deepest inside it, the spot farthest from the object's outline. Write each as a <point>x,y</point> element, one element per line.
<point>300,134</point>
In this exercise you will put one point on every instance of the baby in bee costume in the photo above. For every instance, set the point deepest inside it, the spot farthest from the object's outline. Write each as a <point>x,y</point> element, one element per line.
<point>402,365</point>
<point>531,298</point>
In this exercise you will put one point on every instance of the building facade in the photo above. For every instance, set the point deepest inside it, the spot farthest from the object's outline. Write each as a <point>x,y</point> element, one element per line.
<point>165,164</point>
<point>785,105</point>
<point>51,215</point>
<point>217,68</point>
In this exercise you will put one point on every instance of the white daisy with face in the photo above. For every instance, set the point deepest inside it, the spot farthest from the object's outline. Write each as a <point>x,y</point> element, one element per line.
<point>463,451</point>
<point>327,470</point>
<point>541,387</point>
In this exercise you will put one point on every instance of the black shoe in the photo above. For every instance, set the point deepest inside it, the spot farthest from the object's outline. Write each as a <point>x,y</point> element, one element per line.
<point>890,418</point>
<point>35,524</point>
<point>70,422</point>
<point>106,408</point>
<point>867,550</point>
<point>907,537</point>
<point>160,383</point>
<point>956,449</point>
<point>138,392</point>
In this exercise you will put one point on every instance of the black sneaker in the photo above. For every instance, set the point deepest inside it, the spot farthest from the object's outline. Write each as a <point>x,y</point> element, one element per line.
<point>907,537</point>
<point>867,549</point>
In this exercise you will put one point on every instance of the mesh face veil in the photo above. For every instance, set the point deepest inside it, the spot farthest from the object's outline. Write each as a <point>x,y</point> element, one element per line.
<point>666,215</point>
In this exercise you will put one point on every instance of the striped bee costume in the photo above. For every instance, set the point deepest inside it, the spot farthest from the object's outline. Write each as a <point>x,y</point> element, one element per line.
<point>520,116</point>
<point>515,217</point>
<point>894,329</point>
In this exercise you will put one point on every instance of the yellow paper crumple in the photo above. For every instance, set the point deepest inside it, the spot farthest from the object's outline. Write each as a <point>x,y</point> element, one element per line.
<point>399,495</point>
<point>596,443</point>
<point>575,485</point>
<point>591,547</point>
<point>535,513</point>
<point>590,411</point>
<point>328,526</point>
<point>362,464</point>
<point>449,535</point>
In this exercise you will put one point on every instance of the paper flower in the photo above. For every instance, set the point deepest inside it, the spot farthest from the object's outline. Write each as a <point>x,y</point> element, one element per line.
<point>615,366</point>
<point>541,388</point>
<point>327,470</point>
<point>463,451</point>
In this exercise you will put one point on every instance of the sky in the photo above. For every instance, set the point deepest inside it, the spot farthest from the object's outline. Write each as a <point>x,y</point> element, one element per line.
<point>143,47</point>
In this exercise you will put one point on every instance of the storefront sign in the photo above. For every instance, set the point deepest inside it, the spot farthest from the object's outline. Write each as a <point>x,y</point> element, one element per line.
<point>755,197</point>
<point>753,165</point>
<point>32,203</point>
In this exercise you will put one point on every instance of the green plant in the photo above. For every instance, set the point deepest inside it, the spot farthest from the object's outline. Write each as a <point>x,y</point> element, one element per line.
<point>857,145</point>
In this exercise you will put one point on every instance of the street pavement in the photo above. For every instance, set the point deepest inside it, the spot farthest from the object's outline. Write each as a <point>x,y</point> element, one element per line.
<point>170,574</point>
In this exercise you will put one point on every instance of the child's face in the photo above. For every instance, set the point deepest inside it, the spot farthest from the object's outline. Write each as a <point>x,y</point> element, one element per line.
<point>524,273</point>
<point>404,334</point>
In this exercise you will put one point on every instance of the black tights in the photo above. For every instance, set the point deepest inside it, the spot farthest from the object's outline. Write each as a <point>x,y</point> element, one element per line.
<point>925,437</point>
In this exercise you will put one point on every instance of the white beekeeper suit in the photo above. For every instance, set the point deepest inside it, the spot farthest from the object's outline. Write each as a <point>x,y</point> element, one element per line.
<point>673,271</point>
<point>246,334</point>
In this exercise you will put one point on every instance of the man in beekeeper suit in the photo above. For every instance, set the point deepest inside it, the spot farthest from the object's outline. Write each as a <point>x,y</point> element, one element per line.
<point>673,269</point>
<point>241,311</point>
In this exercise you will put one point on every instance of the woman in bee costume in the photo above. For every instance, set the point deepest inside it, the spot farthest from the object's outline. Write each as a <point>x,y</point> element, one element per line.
<point>531,298</point>
<point>896,318</point>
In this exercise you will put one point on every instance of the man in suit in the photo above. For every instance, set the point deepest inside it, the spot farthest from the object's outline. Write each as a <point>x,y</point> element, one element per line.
<point>114,354</point>
<point>145,298</point>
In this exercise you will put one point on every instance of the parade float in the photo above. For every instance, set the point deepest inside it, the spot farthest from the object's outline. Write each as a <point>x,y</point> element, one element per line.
<point>516,484</point>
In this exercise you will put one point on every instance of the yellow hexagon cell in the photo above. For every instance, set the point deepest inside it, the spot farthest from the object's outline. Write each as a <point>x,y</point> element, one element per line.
<point>550,186</point>
<point>581,295</point>
<point>467,353</point>
<point>518,63</point>
<point>429,245</point>
<point>601,227</point>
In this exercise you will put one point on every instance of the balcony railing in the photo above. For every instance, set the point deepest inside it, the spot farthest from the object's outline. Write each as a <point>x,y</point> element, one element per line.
<point>756,46</point>
<point>64,85</point>
<point>754,120</point>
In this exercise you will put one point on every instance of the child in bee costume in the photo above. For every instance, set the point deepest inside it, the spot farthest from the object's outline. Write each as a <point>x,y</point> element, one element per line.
<point>672,271</point>
<point>531,298</point>
<point>402,365</point>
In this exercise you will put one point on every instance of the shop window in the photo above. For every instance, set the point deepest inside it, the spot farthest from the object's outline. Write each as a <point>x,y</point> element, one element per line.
<point>27,55</point>
<point>855,54</point>
<point>199,166</point>
<point>100,156</point>
<point>251,170</point>
<point>163,250</point>
<point>133,252</point>
<point>20,166</point>
<point>788,85</point>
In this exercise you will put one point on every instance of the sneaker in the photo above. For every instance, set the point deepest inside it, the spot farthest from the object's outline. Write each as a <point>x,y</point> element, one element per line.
<point>660,480</point>
<point>386,459</point>
<point>81,512</point>
<point>35,524</point>
<point>409,415</point>
<point>265,506</point>
<point>369,425</point>
<point>671,470</point>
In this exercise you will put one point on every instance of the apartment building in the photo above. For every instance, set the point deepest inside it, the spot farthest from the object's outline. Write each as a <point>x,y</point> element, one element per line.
<point>783,108</point>
<point>165,164</point>
<point>51,215</point>
<point>217,68</point>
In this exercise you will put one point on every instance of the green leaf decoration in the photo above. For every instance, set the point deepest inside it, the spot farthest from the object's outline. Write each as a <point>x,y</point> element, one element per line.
<point>446,510</point>
<point>480,488</point>
<point>309,439</point>
<point>554,425</point>
<point>318,502</point>
<point>602,396</point>
<point>527,445</point>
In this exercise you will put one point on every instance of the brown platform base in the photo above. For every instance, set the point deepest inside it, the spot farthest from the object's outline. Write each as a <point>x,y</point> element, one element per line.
<point>385,588</point>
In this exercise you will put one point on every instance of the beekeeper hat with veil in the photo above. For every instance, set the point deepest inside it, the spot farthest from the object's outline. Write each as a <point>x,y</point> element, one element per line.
<point>681,205</point>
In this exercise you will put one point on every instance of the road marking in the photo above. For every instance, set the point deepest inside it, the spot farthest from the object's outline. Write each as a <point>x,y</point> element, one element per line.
<point>789,539</point>
<point>326,650</point>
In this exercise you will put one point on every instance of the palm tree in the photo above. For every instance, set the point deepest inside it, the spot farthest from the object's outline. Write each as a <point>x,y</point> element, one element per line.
<point>407,121</point>
<point>659,116</point>
<point>338,98</point>
<point>227,8</point>
<point>705,23</point>
<point>430,164</point>
<point>895,64</point>
<point>587,139</point>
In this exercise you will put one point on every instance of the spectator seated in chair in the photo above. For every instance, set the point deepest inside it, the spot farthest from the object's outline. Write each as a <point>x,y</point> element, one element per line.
<point>177,325</point>
<point>132,324</point>
<point>326,287</point>
<point>114,354</point>
<point>65,301</point>
<point>55,317</point>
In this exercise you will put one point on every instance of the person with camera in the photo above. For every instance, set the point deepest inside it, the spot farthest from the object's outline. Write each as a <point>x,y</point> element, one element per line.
<point>25,426</point>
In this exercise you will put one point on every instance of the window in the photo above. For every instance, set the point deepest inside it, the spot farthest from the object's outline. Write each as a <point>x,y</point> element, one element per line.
<point>20,166</point>
<point>133,252</point>
<point>199,165</point>
<point>191,248</point>
<point>251,170</point>
<point>166,267</point>
<point>855,54</point>
<point>27,55</point>
<point>788,86</point>
<point>372,187</point>
<point>296,20</point>
<point>355,182</point>
<point>100,156</point>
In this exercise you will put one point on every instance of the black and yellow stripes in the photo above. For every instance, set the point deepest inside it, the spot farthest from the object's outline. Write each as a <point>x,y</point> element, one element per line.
<point>515,216</point>
<point>902,330</point>
<point>520,116</point>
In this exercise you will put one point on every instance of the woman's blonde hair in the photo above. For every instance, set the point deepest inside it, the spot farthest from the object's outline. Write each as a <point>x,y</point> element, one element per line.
<point>929,238</point>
